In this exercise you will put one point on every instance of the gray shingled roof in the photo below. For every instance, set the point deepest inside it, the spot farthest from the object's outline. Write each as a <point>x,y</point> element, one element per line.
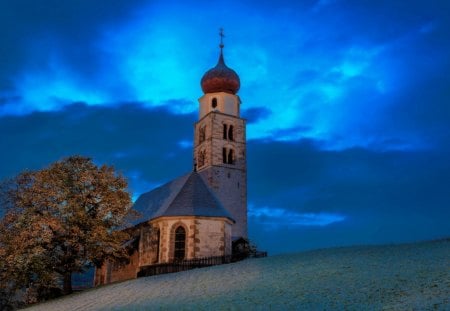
<point>187,195</point>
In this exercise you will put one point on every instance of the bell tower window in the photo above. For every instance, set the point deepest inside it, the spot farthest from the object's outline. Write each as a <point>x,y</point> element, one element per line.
<point>225,131</point>
<point>214,103</point>
<point>224,155</point>
<point>230,132</point>
<point>231,156</point>
<point>227,155</point>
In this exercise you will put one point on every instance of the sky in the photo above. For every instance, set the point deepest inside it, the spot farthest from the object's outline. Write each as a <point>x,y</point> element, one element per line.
<point>347,105</point>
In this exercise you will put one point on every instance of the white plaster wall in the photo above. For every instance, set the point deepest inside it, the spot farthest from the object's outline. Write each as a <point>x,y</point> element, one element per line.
<point>226,103</point>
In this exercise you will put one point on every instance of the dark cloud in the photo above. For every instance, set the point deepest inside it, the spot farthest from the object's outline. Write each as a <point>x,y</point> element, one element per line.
<point>34,32</point>
<point>138,141</point>
<point>424,111</point>
<point>382,21</point>
<point>329,181</point>
<point>384,196</point>
<point>253,115</point>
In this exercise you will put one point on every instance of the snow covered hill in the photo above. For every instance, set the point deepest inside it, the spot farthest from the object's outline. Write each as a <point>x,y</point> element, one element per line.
<point>393,277</point>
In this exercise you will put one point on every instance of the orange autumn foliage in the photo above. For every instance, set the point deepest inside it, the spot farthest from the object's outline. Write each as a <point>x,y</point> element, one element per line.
<point>60,220</point>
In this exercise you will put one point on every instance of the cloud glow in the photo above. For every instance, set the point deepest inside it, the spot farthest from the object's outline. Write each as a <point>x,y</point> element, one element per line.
<point>281,217</point>
<point>321,76</point>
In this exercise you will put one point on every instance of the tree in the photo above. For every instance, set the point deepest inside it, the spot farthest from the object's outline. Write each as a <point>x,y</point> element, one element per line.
<point>60,220</point>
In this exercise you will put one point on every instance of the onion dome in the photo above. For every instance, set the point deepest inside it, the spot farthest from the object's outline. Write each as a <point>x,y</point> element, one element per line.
<point>220,78</point>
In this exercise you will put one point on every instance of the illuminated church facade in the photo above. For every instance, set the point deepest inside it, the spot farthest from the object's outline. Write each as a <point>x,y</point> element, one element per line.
<point>199,214</point>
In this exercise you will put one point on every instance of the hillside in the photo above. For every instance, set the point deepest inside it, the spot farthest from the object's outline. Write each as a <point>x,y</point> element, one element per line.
<point>393,277</point>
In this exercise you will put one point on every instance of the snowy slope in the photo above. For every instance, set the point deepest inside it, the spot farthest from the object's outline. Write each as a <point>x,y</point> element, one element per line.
<point>394,277</point>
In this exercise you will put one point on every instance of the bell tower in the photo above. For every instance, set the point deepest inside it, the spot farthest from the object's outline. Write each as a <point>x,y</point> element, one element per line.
<point>220,142</point>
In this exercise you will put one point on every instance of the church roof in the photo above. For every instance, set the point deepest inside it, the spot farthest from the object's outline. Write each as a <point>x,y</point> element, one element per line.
<point>187,195</point>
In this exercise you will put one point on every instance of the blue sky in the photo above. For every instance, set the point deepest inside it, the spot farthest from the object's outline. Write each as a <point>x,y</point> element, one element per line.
<point>348,104</point>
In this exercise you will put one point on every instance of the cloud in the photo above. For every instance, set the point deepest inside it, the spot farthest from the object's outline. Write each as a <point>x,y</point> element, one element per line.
<point>34,31</point>
<point>305,195</point>
<point>278,218</point>
<point>253,115</point>
<point>360,195</point>
<point>137,140</point>
<point>344,181</point>
<point>337,77</point>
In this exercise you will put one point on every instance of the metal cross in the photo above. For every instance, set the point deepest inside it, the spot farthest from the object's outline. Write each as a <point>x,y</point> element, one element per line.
<point>221,38</point>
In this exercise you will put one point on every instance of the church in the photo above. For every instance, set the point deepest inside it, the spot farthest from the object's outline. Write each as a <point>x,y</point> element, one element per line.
<point>199,214</point>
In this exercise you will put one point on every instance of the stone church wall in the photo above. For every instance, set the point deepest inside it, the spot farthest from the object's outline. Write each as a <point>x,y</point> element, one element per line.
<point>167,226</point>
<point>149,245</point>
<point>228,181</point>
<point>205,237</point>
<point>230,188</point>
<point>211,237</point>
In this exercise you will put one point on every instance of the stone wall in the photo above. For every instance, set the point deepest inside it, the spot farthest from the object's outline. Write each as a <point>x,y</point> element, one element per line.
<point>212,237</point>
<point>149,245</point>
<point>205,237</point>
<point>111,272</point>
<point>122,272</point>
<point>167,226</point>
<point>228,181</point>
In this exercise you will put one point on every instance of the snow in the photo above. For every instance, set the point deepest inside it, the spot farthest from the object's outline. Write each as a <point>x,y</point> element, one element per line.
<point>394,277</point>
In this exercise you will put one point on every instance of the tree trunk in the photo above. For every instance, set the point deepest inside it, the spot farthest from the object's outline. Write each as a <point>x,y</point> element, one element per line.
<point>67,287</point>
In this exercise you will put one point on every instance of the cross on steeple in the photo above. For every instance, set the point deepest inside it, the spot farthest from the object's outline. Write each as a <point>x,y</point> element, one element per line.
<point>221,38</point>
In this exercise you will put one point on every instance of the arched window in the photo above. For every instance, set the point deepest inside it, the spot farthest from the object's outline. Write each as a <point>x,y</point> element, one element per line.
<point>225,131</point>
<point>230,132</point>
<point>214,102</point>
<point>202,134</point>
<point>201,158</point>
<point>227,155</point>
<point>180,243</point>
<point>224,155</point>
<point>230,156</point>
